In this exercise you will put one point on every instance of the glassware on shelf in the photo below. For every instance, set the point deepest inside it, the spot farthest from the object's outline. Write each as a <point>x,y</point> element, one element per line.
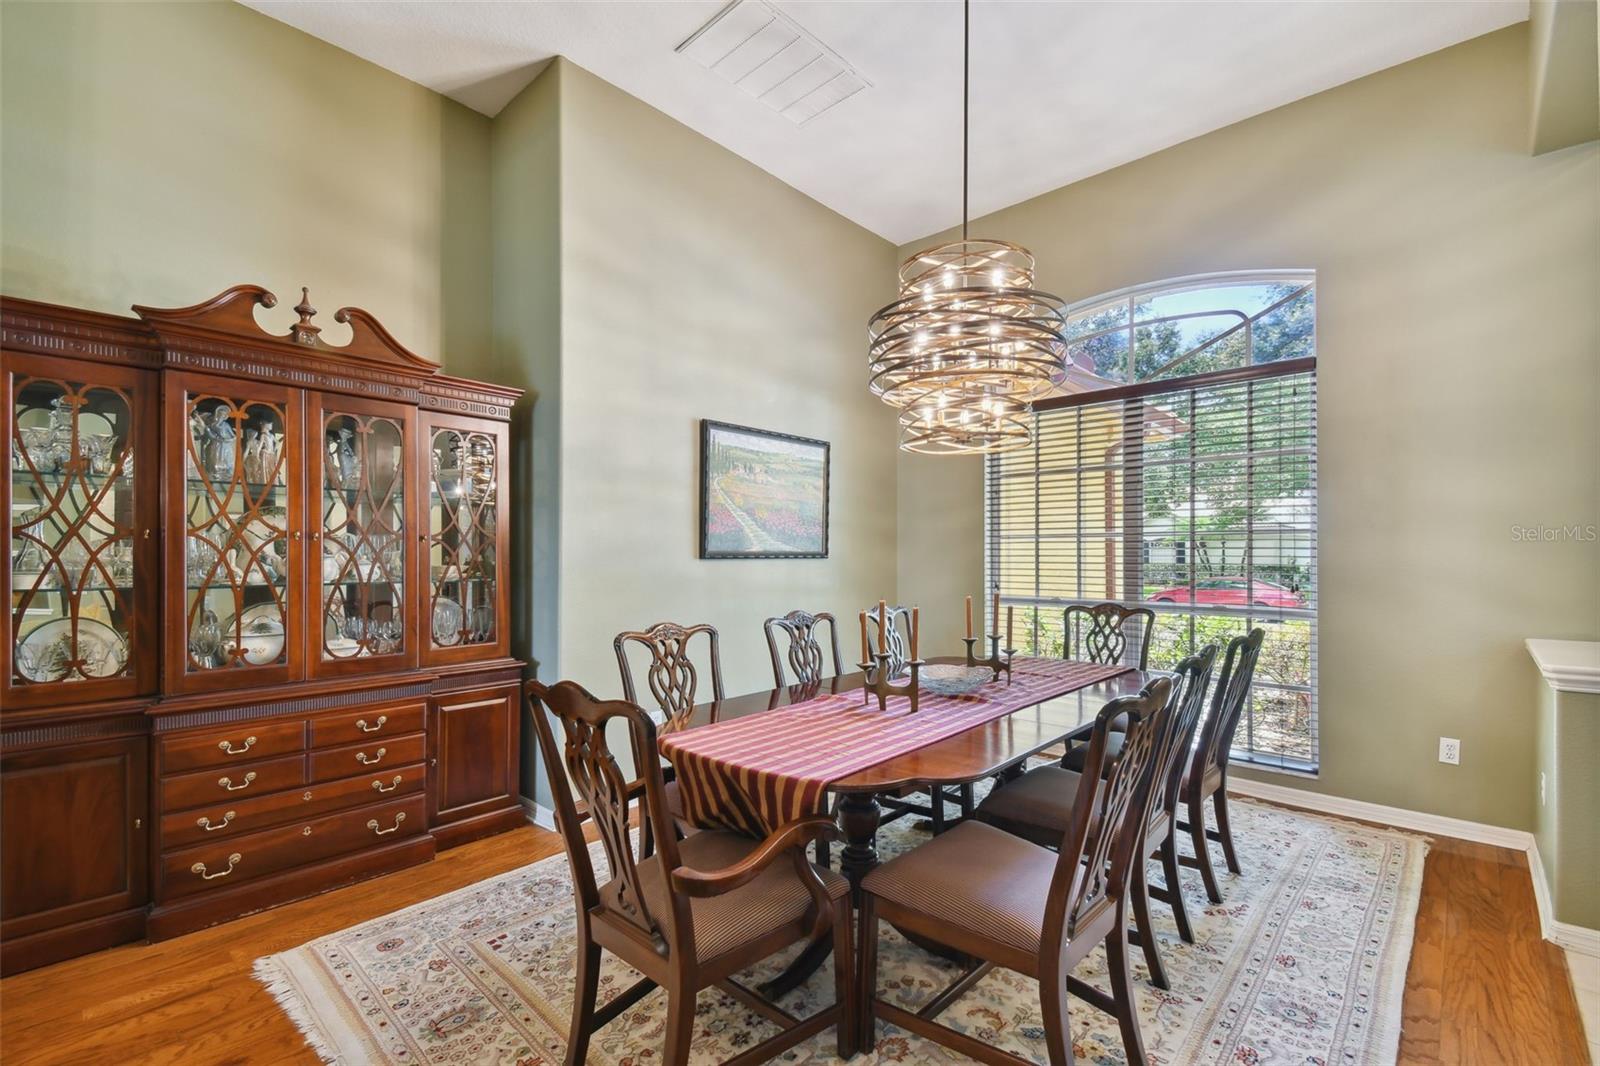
<point>462,532</point>
<point>205,639</point>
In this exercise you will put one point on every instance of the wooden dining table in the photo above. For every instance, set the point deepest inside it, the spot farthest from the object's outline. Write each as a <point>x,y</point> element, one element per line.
<point>997,747</point>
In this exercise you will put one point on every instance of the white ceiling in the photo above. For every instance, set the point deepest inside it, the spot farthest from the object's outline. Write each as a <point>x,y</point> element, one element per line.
<point>1060,90</point>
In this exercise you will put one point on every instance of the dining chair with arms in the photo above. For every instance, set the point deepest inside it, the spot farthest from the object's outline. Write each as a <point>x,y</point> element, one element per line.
<point>1005,901</point>
<point>694,913</point>
<point>804,653</point>
<point>1206,776</point>
<point>1038,806</point>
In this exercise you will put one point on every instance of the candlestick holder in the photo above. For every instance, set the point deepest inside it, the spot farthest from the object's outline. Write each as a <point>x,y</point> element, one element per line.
<point>995,661</point>
<point>878,682</point>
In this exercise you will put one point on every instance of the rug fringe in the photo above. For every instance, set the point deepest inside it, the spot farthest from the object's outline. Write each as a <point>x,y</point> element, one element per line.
<point>282,990</point>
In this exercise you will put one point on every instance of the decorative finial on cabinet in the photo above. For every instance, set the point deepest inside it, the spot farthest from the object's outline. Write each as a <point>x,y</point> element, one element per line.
<point>303,331</point>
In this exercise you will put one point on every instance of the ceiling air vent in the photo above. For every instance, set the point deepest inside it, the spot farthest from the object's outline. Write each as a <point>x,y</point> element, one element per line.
<point>762,51</point>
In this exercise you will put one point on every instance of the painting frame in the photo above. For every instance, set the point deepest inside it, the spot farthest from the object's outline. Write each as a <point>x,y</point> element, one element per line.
<point>709,429</point>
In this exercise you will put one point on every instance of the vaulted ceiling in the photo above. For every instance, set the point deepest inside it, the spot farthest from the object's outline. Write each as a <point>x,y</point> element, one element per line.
<point>1060,91</point>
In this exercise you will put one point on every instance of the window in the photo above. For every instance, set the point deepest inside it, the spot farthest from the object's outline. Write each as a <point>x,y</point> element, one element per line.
<point>1180,473</point>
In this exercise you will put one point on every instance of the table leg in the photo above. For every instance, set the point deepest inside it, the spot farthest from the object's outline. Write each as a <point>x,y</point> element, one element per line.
<point>859,815</point>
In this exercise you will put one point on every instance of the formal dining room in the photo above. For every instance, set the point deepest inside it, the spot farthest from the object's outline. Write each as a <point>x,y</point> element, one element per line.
<point>809,531</point>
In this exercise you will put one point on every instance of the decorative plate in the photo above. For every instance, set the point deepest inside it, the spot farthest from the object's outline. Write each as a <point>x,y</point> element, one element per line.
<point>46,653</point>
<point>949,679</point>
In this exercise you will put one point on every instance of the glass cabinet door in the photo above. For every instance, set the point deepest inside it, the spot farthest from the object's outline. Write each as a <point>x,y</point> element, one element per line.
<point>464,539</point>
<point>360,531</point>
<point>82,556</point>
<point>237,532</point>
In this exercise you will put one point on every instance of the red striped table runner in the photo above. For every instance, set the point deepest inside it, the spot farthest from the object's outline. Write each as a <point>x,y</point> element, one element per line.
<point>757,773</point>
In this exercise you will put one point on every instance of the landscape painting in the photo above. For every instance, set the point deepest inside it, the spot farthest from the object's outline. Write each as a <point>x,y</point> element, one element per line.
<point>762,495</point>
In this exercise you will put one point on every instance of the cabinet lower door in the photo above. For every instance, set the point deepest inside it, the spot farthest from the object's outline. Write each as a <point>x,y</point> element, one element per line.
<point>73,825</point>
<point>476,751</point>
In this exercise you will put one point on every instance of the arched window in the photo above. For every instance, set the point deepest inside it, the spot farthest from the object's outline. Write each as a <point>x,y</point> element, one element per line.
<point>1178,471</point>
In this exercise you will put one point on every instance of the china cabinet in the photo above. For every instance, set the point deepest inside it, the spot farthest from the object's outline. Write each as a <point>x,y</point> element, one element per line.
<point>256,644</point>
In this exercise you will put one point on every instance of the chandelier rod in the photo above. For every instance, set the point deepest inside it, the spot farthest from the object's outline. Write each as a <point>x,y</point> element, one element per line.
<point>966,78</point>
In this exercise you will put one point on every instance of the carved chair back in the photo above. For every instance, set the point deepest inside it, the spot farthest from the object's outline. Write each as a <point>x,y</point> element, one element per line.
<point>899,637</point>
<point>1108,633</point>
<point>672,677</point>
<point>1108,816</point>
<point>804,653</point>
<point>584,758</point>
<point>1188,702</point>
<point>1228,703</point>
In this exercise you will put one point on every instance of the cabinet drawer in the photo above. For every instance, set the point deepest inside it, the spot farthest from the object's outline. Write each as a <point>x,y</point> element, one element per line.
<point>371,755</point>
<point>352,727</point>
<point>245,781</point>
<point>226,820</point>
<point>225,863</point>
<point>232,744</point>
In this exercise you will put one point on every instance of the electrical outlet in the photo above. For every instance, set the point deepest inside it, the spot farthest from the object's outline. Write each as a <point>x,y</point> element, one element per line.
<point>1541,788</point>
<point>1450,750</point>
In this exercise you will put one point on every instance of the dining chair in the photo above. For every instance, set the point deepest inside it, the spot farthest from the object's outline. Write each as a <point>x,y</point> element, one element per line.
<point>672,677</point>
<point>1005,901</point>
<point>1104,633</point>
<point>674,683</point>
<point>897,644</point>
<point>1206,776</point>
<point>1038,805</point>
<point>804,652</point>
<point>694,913</point>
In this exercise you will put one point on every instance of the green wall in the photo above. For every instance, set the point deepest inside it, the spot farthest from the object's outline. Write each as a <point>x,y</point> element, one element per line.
<point>158,153</point>
<point>1568,823</point>
<point>1458,385</point>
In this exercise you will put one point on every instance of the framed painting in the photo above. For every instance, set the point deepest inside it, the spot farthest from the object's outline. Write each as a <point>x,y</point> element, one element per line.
<point>763,495</point>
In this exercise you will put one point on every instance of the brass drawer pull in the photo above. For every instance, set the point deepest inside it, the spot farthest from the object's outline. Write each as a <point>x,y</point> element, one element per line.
<point>200,868</point>
<point>377,786</point>
<point>231,787</point>
<point>228,749</point>
<point>372,824</point>
<point>205,823</point>
<point>361,724</point>
<point>361,757</point>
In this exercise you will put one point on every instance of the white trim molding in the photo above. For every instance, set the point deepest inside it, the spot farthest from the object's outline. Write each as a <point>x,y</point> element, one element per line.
<point>1568,665</point>
<point>1577,938</point>
<point>539,815</point>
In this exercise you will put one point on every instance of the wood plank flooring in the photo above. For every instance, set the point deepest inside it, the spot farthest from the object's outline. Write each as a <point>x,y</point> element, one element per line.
<point>1483,988</point>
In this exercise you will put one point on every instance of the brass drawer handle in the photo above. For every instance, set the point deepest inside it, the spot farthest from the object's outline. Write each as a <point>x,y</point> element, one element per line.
<point>231,787</point>
<point>377,786</point>
<point>361,724</point>
<point>228,749</point>
<point>372,824</point>
<point>205,823</point>
<point>361,757</point>
<point>200,868</point>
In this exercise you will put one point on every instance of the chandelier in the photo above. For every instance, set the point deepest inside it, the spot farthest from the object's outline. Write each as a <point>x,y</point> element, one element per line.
<point>970,343</point>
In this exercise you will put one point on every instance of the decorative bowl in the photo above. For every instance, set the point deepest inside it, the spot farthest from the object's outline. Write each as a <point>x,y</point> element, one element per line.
<point>949,679</point>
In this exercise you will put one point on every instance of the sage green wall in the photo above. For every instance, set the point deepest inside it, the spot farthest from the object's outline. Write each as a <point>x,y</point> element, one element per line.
<point>1567,826</point>
<point>694,285</point>
<point>157,153</point>
<point>1459,393</point>
<point>525,179</point>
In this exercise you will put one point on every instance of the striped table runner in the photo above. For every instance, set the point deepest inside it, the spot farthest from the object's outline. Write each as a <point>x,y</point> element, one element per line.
<point>757,773</point>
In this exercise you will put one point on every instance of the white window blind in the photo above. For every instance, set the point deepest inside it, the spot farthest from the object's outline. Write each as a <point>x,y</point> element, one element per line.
<point>1193,496</point>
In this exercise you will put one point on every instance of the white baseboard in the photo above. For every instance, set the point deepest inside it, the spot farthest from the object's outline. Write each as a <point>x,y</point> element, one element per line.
<point>1571,937</point>
<point>539,815</point>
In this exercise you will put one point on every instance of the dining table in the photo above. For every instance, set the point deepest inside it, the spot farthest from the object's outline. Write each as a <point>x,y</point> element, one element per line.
<point>996,748</point>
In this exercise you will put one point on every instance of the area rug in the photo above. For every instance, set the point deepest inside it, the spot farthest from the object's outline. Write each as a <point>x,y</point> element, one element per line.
<point>1303,962</point>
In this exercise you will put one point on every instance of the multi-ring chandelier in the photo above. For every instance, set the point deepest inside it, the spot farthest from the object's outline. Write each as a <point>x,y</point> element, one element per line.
<point>970,343</point>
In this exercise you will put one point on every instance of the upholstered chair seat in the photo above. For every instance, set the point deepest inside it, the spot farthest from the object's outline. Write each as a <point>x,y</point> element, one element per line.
<point>1036,806</point>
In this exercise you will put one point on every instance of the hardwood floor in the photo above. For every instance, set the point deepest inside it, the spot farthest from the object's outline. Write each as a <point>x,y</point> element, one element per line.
<point>1483,988</point>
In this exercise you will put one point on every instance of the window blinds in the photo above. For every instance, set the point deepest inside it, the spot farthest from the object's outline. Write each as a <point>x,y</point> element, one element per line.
<point>1196,498</point>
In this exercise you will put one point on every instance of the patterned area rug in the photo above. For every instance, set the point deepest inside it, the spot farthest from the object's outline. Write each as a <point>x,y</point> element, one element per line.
<point>1304,962</point>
